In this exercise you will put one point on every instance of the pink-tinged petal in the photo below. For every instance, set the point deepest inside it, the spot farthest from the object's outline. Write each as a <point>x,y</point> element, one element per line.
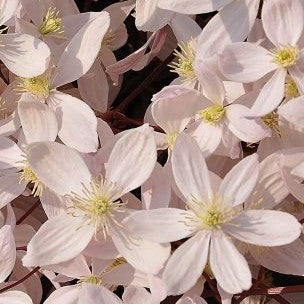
<point>82,50</point>
<point>10,188</point>
<point>207,136</point>
<point>94,89</point>
<point>7,10</point>
<point>238,184</point>
<point>193,7</point>
<point>15,297</point>
<point>58,240</point>
<point>133,159</point>
<point>10,154</point>
<point>283,21</point>
<point>226,297</point>
<point>25,27</point>
<point>24,55</point>
<point>157,287</point>
<point>66,295</point>
<point>38,121</point>
<point>143,255</point>
<point>191,300</point>
<point>105,132</point>
<point>149,17</point>
<point>122,274</point>
<point>288,259</point>
<point>101,249</point>
<point>230,24</point>
<point>232,273</point>
<point>187,264</point>
<point>7,252</point>
<point>190,170</point>
<point>245,62</point>
<point>174,114</point>
<point>50,160</point>
<point>52,203</point>
<point>135,294</point>
<point>156,191</point>
<point>184,28</point>
<point>271,95</point>
<point>92,294</point>
<point>9,125</point>
<point>76,121</point>
<point>264,227</point>
<point>249,130</point>
<point>293,111</point>
<point>161,225</point>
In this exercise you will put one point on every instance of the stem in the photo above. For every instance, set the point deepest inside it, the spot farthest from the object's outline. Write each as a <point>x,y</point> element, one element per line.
<point>27,213</point>
<point>20,281</point>
<point>128,100</point>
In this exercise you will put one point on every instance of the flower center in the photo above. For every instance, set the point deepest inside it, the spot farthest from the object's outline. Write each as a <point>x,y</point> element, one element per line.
<point>212,114</point>
<point>291,89</point>
<point>171,138</point>
<point>37,86</point>
<point>286,56</point>
<point>212,216</point>
<point>185,58</point>
<point>271,120</point>
<point>27,175</point>
<point>51,23</point>
<point>97,205</point>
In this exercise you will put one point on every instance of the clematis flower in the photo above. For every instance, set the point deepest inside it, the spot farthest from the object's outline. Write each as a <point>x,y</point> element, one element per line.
<point>214,214</point>
<point>247,62</point>
<point>93,207</point>
<point>15,297</point>
<point>77,122</point>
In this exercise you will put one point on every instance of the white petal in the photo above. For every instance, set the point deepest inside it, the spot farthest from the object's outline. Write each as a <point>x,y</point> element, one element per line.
<point>76,121</point>
<point>132,159</point>
<point>283,21</point>
<point>66,295</point>
<point>24,55</point>
<point>135,294</point>
<point>228,265</point>
<point>189,169</point>
<point>271,95</point>
<point>15,297</point>
<point>187,264</point>
<point>7,10</point>
<point>38,121</point>
<point>80,53</point>
<point>92,294</point>
<point>7,252</point>
<point>143,255</point>
<point>10,154</point>
<point>240,181</point>
<point>192,6</point>
<point>58,240</point>
<point>293,111</point>
<point>50,160</point>
<point>161,225</point>
<point>264,227</point>
<point>245,62</point>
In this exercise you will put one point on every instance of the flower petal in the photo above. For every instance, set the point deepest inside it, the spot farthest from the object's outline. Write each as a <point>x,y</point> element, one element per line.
<point>58,240</point>
<point>228,265</point>
<point>190,170</point>
<point>135,294</point>
<point>15,297</point>
<point>132,159</point>
<point>187,264</point>
<point>293,111</point>
<point>238,184</point>
<point>66,295</point>
<point>50,160</point>
<point>24,55</point>
<point>264,227</point>
<point>10,154</point>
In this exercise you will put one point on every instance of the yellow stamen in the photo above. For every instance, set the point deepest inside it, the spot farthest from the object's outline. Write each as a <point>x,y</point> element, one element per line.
<point>212,114</point>
<point>91,280</point>
<point>37,86</point>
<point>51,23</point>
<point>108,38</point>
<point>272,121</point>
<point>171,138</point>
<point>185,59</point>
<point>286,56</point>
<point>27,175</point>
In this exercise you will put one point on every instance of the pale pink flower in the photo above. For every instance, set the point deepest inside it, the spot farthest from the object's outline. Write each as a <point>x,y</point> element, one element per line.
<point>93,205</point>
<point>247,62</point>
<point>214,213</point>
<point>15,297</point>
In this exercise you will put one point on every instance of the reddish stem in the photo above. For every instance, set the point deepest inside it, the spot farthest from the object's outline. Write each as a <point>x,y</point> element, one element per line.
<point>27,213</point>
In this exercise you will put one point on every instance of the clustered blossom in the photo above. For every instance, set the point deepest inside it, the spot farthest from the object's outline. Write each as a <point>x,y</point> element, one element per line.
<point>203,196</point>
